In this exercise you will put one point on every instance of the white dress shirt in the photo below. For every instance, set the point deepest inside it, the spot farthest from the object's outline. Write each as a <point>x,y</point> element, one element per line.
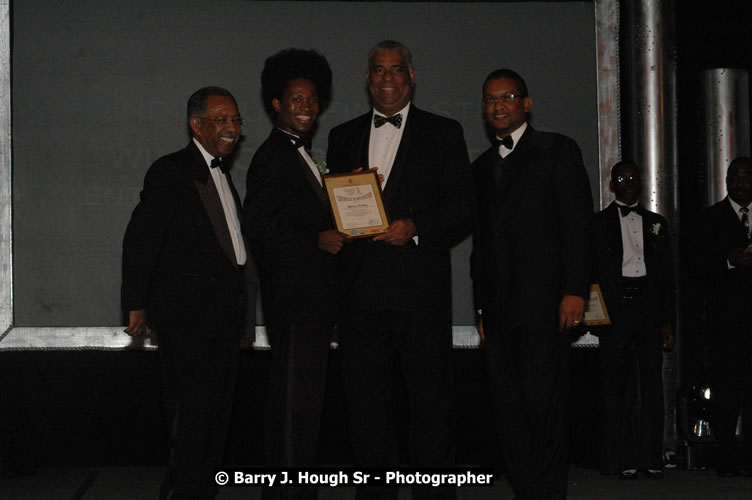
<point>503,150</point>
<point>384,143</point>
<point>632,241</point>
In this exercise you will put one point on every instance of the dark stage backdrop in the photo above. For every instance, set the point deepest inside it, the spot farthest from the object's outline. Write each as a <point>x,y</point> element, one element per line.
<point>99,92</point>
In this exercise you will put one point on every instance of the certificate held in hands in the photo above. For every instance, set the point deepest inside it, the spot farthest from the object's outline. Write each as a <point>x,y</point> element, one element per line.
<point>357,204</point>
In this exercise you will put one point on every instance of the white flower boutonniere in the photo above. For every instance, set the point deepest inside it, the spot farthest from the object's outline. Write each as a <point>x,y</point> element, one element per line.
<point>656,228</point>
<point>320,164</point>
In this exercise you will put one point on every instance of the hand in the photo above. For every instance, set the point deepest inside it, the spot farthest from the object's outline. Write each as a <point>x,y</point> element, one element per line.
<point>737,257</point>
<point>571,311</point>
<point>136,323</point>
<point>668,337</point>
<point>331,241</point>
<point>398,233</point>
<point>480,329</point>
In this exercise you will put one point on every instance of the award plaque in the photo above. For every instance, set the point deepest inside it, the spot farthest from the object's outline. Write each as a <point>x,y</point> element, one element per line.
<point>357,204</point>
<point>596,313</point>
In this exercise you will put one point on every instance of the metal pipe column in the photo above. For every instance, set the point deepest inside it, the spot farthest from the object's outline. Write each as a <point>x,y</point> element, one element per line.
<point>725,123</point>
<point>648,56</point>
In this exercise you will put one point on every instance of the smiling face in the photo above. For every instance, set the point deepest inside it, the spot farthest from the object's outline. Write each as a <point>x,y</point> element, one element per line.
<point>505,116</point>
<point>390,81</point>
<point>298,108</point>
<point>218,140</point>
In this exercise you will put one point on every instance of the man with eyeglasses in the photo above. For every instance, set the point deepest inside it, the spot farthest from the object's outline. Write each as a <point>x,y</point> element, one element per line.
<point>289,229</point>
<point>635,272</point>
<point>183,253</point>
<point>532,244</point>
<point>722,253</point>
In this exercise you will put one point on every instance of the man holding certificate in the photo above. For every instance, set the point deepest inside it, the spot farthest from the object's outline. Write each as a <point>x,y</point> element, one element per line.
<point>397,307</point>
<point>288,226</point>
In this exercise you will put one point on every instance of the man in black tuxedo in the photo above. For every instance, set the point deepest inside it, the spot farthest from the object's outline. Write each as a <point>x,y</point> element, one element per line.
<point>723,257</point>
<point>182,257</point>
<point>289,230</point>
<point>531,273</point>
<point>397,309</point>
<point>635,271</point>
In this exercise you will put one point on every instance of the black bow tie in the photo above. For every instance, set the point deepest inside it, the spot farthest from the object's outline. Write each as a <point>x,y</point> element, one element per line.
<point>395,120</point>
<point>303,140</point>
<point>625,210</point>
<point>507,142</point>
<point>217,162</point>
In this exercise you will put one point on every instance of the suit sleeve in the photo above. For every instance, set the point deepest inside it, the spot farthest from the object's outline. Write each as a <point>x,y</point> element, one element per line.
<point>143,238</point>
<point>575,218</point>
<point>450,218</point>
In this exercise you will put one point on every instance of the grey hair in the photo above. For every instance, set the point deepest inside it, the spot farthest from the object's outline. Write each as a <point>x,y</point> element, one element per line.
<point>391,45</point>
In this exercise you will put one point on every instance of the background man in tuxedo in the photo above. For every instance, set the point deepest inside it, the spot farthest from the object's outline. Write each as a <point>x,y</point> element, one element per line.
<point>723,257</point>
<point>635,271</point>
<point>182,259</point>
<point>289,230</point>
<point>398,284</point>
<point>531,273</point>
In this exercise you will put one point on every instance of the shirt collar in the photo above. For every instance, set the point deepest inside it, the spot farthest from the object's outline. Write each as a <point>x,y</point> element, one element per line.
<point>516,135</point>
<point>736,206</point>
<point>207,157</point>
<point>403,111</point>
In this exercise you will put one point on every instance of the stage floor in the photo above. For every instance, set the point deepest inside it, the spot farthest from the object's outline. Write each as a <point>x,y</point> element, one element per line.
<point>142,483</point>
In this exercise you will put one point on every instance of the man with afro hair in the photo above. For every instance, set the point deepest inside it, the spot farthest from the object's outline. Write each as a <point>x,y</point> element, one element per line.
<point>289,230</point>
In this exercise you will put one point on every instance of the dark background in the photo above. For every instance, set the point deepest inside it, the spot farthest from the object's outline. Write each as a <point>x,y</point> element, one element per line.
<point>99,92</point>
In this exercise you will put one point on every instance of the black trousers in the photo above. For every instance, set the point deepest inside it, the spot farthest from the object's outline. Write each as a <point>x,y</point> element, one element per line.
<point>730,355</point>
<point>631,364</point>
<point>198,376</point>
<point>295,401</point>
<point>528,381</point>
<point>419,344</point>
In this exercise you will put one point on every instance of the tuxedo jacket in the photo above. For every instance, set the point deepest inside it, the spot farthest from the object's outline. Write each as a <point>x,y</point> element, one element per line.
<point>430,182</point>
<point>285,208</point>
<point>178,259</point>
<point>728,291</point>
<point>532,241</point>
<point>659,282</point>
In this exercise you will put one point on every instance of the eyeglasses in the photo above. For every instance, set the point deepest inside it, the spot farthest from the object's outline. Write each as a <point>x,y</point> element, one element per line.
<point>507,98</point>
<point>621,179</point>
<point>221,122</point>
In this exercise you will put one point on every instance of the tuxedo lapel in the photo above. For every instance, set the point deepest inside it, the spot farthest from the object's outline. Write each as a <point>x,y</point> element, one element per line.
<point>311,178</point>
<point>733,222</point>
<point>400,159</point>
<point>209,196</point>
<point>295,160</point>
<point>614,238</point>
<point>512,166</point>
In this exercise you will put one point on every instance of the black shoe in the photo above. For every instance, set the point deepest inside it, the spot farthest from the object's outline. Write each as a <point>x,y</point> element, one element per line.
<point>653,473</point>
<point>745,471</point>
<point>727,472</point>
<point>628,474</point>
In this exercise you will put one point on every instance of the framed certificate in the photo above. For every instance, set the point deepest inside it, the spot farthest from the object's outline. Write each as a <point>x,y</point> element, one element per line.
<point>357,203</point>
<point>596,313</point>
